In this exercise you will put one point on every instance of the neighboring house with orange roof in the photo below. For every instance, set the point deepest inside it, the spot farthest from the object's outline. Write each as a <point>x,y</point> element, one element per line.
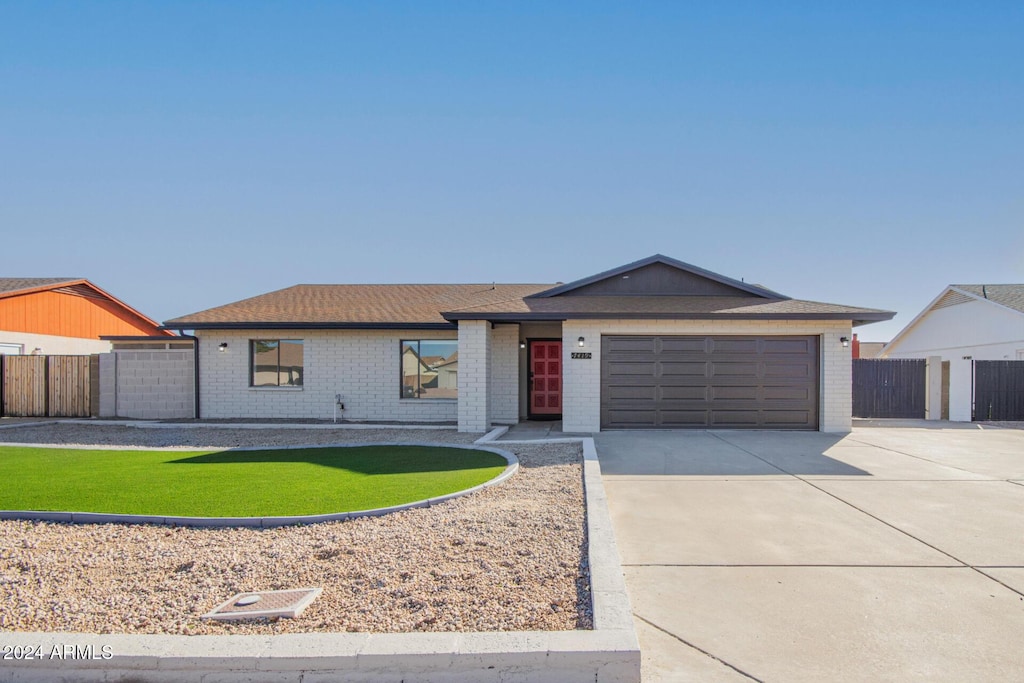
<point>657,343</point>
<point>58,316</point>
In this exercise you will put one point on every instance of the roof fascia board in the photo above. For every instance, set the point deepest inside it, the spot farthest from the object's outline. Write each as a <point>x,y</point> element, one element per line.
<point>659,258</point>
<point>858,318</point>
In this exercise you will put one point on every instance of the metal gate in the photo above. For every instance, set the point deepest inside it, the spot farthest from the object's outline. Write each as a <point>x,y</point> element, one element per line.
<point>998,390</point>
<point>46,386</point>
<point>889,387</point>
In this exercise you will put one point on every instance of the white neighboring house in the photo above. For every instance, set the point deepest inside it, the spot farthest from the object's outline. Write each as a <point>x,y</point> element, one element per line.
<point>963,324</point>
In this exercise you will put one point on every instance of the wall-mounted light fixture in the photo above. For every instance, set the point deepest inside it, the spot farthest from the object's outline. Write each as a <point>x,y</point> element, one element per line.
<point>222,347</point>
<point>845,341</point>
<point>580,342</point>
<point>522,345</point>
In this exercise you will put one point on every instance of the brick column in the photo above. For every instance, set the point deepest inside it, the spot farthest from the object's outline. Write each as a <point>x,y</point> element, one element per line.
<point>474,375</point>
<point>836,382</point>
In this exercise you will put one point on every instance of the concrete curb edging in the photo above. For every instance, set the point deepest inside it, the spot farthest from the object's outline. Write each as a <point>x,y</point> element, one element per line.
<point>609,653</point>
<point>267,522</point>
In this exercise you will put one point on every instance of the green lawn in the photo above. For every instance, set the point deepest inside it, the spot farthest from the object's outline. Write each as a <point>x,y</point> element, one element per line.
<point>281,482</point>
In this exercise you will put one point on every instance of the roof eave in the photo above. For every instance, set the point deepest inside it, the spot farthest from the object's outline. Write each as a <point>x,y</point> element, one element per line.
<point>857,318</point>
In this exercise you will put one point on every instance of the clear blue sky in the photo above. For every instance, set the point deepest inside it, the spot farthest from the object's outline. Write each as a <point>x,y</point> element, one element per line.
<point>184,155</point>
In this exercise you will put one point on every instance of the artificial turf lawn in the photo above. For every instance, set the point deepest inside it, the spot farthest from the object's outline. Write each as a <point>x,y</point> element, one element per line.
<point>236,483</point>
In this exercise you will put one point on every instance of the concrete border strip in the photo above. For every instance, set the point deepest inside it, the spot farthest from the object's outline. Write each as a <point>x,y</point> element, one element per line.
<point>609,653</point>
<point>267,522</point>
<point>492,435</point>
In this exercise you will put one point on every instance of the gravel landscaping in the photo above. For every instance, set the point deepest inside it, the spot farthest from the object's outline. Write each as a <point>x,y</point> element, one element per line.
<point>511,557</point>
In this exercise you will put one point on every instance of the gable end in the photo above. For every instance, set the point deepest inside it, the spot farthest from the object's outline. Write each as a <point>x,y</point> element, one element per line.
<point>659,276</point>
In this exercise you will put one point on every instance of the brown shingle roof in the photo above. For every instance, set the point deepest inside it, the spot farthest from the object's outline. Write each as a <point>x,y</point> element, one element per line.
<point>343,305</point>
<point>394,305</point>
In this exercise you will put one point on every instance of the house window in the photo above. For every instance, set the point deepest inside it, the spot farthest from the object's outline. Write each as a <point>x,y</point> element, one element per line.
<point>276,362</point>
<point>430,368</point>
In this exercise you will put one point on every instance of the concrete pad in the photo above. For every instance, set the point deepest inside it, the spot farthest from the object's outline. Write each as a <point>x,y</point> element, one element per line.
<point>676,454</point>
<point>878,463</point>
<point>992,452</point>
<point>978,522</point>
<point>840,623</point>
<point>751,522</point>
<point>665,659</point>
<point>1013,577</point>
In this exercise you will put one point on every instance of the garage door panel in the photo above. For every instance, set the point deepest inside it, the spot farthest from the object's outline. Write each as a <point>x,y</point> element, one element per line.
<point>734,368</point>
<point>669,345</point>
<point>631,344</point>
<point>682,393</point>
<point>796,369</point>
<point>746,347</point>
<point>727,382</point>
<point>794,346</point>
<point>682,418</point>
<point>624,392</point>
<point>631,369</point>
<point>787,393</point>
<point>739,392</point>
<point>785,418</point>
<point>632,418</point>
<point>733,418</point>
<point>682,369</point>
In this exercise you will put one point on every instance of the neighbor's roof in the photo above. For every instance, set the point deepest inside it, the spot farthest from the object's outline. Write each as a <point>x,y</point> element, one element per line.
<point>1011,296</point>
<point>355,306</point>
<point>10,286</point>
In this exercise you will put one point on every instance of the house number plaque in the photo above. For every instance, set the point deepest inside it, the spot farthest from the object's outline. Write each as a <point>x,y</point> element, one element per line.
<point>584,355</point>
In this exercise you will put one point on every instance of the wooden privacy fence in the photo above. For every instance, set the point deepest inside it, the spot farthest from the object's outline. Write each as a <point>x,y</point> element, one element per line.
<point>889,388</point>
<point>998,390</point>
<point>47,386</point>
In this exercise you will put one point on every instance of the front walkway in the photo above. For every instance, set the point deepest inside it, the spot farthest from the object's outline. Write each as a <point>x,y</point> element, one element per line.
<point>885,554</point>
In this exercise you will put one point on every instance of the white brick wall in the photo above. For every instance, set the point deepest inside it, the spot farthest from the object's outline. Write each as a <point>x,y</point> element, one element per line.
<point>505,374</point>
<point>474,408</point>
<point>581,382</point>
<point>361,365</point>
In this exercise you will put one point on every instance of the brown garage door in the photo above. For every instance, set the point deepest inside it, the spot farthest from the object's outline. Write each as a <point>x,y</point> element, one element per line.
<point>706,382</point>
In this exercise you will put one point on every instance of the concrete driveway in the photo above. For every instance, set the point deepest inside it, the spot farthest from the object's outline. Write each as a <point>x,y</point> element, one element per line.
<point>887,554</point>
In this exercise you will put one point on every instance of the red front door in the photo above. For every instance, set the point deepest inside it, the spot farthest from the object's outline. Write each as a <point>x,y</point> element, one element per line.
<point>545,378</point>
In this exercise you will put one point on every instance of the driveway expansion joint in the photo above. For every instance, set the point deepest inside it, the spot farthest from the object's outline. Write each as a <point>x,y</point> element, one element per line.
<point>698,649</point>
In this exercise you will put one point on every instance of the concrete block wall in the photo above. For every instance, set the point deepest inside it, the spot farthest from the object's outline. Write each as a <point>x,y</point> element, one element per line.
<point>504,387</point>
<point>361,365</point>
<point>581,383</point>
<point>474,406</point>
<point>156,384</point>
<point>108,385</point>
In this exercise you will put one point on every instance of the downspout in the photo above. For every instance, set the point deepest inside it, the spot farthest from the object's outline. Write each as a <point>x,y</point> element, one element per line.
<point>195,352</point>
